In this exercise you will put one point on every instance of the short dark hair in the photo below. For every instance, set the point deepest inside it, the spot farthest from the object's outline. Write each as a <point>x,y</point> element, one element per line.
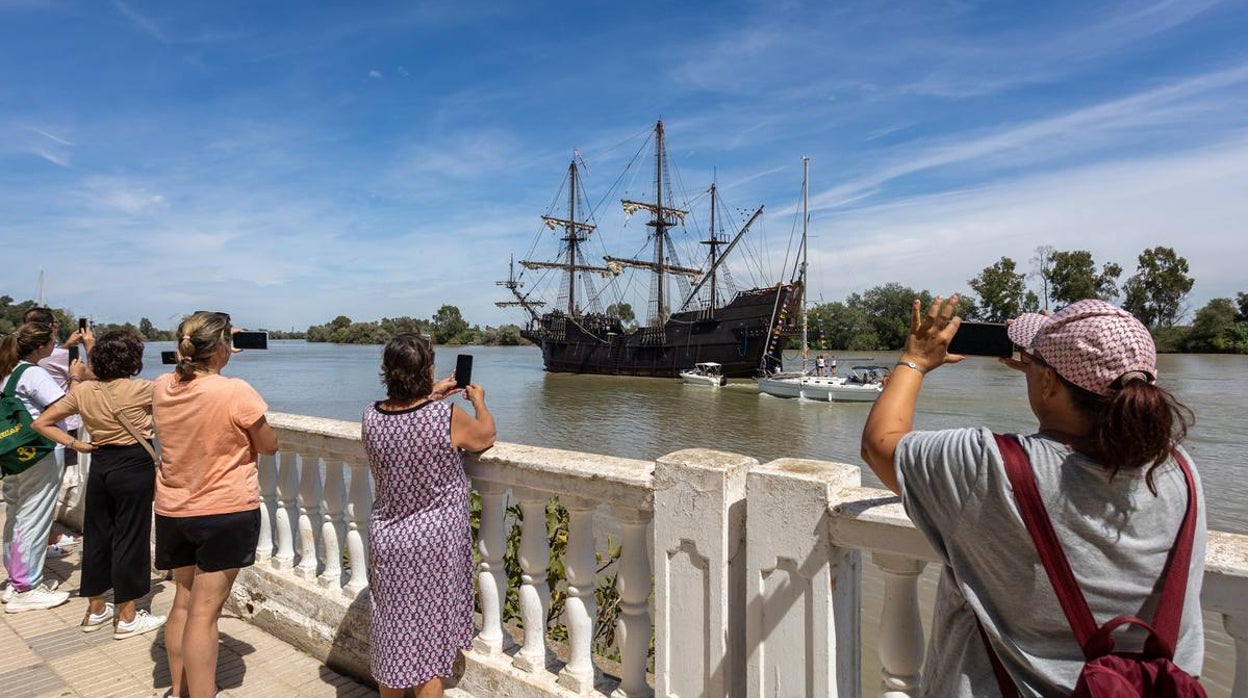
<point>117,354</point>
<point>44,315</point>
<point>405,365</point>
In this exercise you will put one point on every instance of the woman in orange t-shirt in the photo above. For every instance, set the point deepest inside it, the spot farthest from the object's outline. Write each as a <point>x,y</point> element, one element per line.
<point>207,492</point>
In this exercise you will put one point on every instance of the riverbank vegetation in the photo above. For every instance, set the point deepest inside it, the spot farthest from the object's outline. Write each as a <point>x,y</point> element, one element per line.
<point>447,326</point>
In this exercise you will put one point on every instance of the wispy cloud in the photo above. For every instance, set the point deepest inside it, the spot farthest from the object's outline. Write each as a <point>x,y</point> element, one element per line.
<point>144,23</point>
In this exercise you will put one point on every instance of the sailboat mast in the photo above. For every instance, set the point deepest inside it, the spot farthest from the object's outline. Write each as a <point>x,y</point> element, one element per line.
<point>572,240</point>
<point>805,224</point>
<point>713,241</point>
<point>660,227</point>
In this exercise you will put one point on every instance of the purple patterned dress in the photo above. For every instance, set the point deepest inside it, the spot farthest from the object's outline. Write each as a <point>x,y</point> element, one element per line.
<point>419,544</point>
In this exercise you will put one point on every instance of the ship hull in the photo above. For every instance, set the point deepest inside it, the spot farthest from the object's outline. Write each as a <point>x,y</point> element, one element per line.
<point>735,336</point>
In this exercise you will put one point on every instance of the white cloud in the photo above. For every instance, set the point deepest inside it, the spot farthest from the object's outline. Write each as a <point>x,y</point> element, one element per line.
<point>375,74</point>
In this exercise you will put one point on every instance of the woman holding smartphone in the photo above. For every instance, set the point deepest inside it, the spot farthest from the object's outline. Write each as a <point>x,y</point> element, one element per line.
<point>419,540</point>
<point>207,492</point>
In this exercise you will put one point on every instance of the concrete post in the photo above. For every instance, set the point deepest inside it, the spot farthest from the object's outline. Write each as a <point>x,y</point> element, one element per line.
<point>534,592</point>
<point>699,573</point>
<point>901,628</point>
<point>802,593</point>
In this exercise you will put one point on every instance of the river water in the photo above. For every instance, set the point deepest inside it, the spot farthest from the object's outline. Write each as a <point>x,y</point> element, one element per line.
<point>647,417</point>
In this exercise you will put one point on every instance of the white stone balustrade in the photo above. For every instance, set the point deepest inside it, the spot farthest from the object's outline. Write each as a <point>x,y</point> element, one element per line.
<point>756,570</point>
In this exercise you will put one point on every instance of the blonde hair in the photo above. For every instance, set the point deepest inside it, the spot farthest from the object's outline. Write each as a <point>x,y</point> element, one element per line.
<point>199,337</point>
<point>19,344</point>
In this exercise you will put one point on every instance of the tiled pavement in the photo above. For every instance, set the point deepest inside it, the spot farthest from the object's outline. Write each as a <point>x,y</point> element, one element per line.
<point>43,653</point>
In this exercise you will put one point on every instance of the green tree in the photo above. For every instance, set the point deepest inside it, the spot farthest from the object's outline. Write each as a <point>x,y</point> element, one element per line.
<point>447,324</point>
<point>1074,278</point>
<point>1002,291</point>
<point>1241,300</point>
<point>837,325</point>
<point>1215,330</point>
<point>888,309</point>
<point>340,322</point>
<point>146,329</point>
<point>624,311</point>
<point>1157,291</point>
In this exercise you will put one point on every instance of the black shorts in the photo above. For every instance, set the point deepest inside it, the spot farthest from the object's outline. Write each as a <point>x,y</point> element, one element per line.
<point>212,543</point>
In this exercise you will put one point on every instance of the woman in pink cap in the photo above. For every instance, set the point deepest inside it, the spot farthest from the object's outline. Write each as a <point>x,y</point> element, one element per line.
<point>1104,465</point>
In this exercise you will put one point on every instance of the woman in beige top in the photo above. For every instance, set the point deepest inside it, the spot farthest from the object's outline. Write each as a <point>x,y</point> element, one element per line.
<point>117,526</point>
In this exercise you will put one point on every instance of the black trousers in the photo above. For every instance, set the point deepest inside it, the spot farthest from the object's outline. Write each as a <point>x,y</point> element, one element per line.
<point>117,530</point>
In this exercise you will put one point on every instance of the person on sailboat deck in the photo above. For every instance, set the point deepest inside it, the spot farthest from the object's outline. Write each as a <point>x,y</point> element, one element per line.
<point>1110,474</point>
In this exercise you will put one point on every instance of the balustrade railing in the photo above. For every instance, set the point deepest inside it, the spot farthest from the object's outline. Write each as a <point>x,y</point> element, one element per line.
<point>767,604</point>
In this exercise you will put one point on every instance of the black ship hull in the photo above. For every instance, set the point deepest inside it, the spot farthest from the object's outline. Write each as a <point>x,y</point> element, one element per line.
<point>737,335</point>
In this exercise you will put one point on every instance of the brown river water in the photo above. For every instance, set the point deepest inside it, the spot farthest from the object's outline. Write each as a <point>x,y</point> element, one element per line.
<point>647,417</point>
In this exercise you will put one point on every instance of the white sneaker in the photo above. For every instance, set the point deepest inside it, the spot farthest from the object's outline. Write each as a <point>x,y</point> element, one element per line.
<point>7,593</point>
<point>66,540</point>
<point>143,622</point>
<point>36,599</point>
<point>92,622</point>
<point>56,552</point>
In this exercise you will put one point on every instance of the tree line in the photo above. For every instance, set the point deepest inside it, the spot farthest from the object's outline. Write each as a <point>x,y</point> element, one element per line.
<point>879,318</point>
<point>447,326</point>
<point>11,316</point>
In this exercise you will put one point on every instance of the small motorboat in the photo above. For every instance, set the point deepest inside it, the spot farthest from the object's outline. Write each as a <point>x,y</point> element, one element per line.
<point>862,384</point>
<point>709,374</point>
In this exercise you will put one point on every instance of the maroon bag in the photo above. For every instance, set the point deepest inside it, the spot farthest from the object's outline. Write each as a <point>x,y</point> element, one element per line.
<point>1107,674</point>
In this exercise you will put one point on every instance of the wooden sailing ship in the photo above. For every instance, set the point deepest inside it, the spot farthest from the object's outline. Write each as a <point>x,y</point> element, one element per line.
<point>688,320</point>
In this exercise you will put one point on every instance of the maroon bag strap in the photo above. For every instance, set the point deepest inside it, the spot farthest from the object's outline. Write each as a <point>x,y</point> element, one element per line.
<point>1049,548</point>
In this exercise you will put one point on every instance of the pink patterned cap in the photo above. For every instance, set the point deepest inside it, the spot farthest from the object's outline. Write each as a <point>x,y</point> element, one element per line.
<point>1090,343</point>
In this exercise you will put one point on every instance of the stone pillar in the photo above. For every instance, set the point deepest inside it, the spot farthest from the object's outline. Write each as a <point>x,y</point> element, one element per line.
<point>287,496</point>
<point>580,608</point>
<point>359,505</point>
<point>491,578</point>
<point>333,507</point>
<point>310,491</point>
<point>901,629</point>
<point>534,593</point>
<point>266,467</point>
<point>699,573</point>
<point>632,581</point>
<point>802,593</point>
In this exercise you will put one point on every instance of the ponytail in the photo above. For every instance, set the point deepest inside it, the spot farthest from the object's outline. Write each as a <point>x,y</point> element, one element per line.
<point>1136,426</point>
<point>199,337</point>
<point>21,342</point>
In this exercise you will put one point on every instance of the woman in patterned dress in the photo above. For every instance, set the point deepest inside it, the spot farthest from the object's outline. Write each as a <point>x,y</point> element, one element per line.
<point>419,542</point>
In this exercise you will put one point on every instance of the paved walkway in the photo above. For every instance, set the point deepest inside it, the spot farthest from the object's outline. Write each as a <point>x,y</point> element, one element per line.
<point>43,653</point>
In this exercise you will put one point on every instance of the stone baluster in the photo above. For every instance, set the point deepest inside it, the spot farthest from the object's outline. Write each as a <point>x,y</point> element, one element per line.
<point>699,573</point>
<point>333,506</point>
<point>632,581</point>
<point>901,630</point>
<point>491,577</point>
<point>1237,627</point>
<point>359,505</point>
<point>267,470</point>
<point>310,491</point>
<point>580,607</point>
<point>287,495</point>
<point>534,590</point>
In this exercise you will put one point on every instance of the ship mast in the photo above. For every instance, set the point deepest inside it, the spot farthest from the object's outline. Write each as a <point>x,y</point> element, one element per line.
<point>805,224</point>
<point>514,285</point>
<point>714,242</point>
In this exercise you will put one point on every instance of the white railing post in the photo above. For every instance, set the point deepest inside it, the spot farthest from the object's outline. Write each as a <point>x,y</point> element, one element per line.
<point>534,593</point>
<point>359,507</point>
<point>266,467</point>
<point>491,577</point>
<point>901,629</point>
<point>580,608</point>
<point>699,573</point>
<point>803,593</point>
<point>333,506</point>
<point>309,500</point>
<point>632,581</point>
<point>287,495</point>
<point>1237,627</point>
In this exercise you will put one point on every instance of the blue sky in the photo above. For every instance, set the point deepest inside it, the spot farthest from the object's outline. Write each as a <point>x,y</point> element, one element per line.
<point>290,162</point>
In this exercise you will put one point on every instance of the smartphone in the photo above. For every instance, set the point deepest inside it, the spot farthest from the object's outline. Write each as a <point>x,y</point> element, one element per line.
<point>463,370</point>
<point>251,340</point>
<point>73,353</point>
<point>82,324</point>
<point>982,339</point>
<point>168,357</point>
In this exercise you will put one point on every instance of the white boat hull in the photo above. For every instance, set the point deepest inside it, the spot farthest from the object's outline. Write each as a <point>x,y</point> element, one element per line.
<point>820,389</point>
<point>702,380</point>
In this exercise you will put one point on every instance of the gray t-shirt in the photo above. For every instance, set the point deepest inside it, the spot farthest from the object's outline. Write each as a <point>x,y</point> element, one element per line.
<point>1115,533</point>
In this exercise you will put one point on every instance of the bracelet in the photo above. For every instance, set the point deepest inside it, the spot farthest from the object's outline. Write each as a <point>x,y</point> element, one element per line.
<point>71,443</point>
<point>913,365</point>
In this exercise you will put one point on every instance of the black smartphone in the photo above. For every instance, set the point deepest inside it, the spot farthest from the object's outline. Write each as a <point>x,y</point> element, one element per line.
<point>82,324</point>
<point>73,353</point>
<point>463,370</point>
<point>251,340</point>
<point>168,357</point>
<point>982,339</point>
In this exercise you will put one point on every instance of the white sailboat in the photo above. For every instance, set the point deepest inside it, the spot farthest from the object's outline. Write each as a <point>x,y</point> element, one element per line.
<point>862,384</point>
